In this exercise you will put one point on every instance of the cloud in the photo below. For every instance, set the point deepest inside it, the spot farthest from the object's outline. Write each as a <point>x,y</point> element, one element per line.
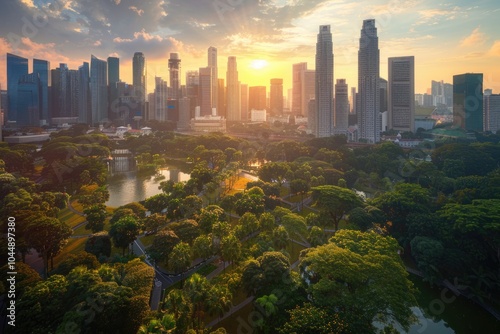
<point>153,46</point>
<point>495,49</point>
<point>28,3</point>
<point>136,10</point>
<point>435,15</point>
<point>476,38</point>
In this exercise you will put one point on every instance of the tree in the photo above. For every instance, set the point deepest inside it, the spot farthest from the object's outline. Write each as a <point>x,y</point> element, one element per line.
<point>191,207</point>
<point>153,222</point>
<point>274,172</point>
<point>269,271</point>
<point>120,213</point>
<point>157,326</point>
<point>124,232</point>
<point>309,319</point>
<point>428,253</point>
<point>99,244</point>
<point>197,289</point>
<point>317,236</point>
<point>202,246</point>
<point>219,300</point>
<point>162,245</point>
<point>335,201</point>
<point>187,230</point>
<point>230,248</point>
<point>209,216</point>
<point>280,237</point>
<point>47,236</point>
<point>362,274</point>
<point>295,225</point>
<point>249,222</point>
<point>299,187</point>
<point>267,221</point>
<point>96,215</point>
<point>180,258</point>
<point>92,195</point>
<point>177,303</point>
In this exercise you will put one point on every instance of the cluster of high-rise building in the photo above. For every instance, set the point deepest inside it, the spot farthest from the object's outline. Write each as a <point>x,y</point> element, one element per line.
<point>94,94</point>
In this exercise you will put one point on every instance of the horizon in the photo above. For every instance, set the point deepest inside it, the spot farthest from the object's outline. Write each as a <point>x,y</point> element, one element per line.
<point>267,38</point>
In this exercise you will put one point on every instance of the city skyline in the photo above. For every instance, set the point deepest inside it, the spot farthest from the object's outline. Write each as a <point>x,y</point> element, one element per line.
<point>445,39</point>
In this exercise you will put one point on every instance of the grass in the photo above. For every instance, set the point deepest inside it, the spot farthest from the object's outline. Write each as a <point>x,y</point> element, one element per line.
<point>74,246</point>
<point>77,206</point>
<point>147,240</point>
<point>207,269</point>
<point>239,185</point>
<point>70,218</point>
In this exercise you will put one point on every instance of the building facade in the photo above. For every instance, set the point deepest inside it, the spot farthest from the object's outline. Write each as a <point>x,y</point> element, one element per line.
<point>368,108</point>
<point>98,90</point>
<point>233,91</point>
<point>401,92</point>
<point>468,101</point>
<point>324,83</point>
<point>276,97</point>
<point>17,67</point>
<point>341,115</point>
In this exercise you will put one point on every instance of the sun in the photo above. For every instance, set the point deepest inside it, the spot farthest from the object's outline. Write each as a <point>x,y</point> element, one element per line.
<point>258,64</point>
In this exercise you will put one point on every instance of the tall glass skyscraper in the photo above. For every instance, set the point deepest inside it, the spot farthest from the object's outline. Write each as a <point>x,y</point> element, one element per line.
<point>139,80</point>
<point>233,91</point>
<point>324,83</point>
<point>16,68</point>
<point>174,68</point>
<point>369,120</point>
<point>42,68</point>
<point>29,100</point>
<point>113,79</point>
<point>468,101</point>
<point>341,119</point>
<point>99,90</point>
<point>84,94</point>
<point>401,94</point>
<point>212,63</point>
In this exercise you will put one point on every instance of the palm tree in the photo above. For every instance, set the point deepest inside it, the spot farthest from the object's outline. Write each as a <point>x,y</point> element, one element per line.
<point>197,290</point>
<point>180,259</point>
<point>219,300</point>
<point>230,249</point>
<point>159,326</point>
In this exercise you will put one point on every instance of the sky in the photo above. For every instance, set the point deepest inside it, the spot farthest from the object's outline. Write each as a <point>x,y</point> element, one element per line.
<point>267,36</point>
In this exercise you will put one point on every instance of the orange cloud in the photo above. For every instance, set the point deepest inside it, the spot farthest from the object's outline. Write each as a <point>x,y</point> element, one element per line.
<point>476,38</point>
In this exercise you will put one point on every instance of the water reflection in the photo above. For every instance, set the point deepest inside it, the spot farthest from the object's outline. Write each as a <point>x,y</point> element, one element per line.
<point>130,187</point>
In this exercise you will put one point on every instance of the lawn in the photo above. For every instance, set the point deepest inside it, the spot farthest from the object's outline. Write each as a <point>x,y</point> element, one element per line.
<point>70,218</point>
<point>147,240</point>
<point>239,185</point>
<point>74,246</point>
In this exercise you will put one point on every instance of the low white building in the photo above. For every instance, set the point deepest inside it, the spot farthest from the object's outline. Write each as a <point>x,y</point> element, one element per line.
<point>258,115</point>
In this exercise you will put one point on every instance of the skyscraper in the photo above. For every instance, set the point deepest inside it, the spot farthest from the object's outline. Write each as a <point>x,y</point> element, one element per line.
<point>160,100</point>
<point>16,68</point>
<point>244,105</point>
<point>257,97</point>
<point>341,115</point>
<point>324,83</point>
<point>205,91</point>
<point>139,81</point>
<point>307,91</point>
<point>113,79</point>
<point>174,68</point>
<point>221,111</point>
<point>98,90</point>
<point>192,88</point>
<point>401,92</point>
<point>491,111</point>
<point>212,64</point>
<point>369,121</point>
<point>84,111</point>
<point>468,101</point>
<point>42,68</point>
<point>276,97</point>
<point>233,91</point>
<point>29,100</point>
<point>297,77</point>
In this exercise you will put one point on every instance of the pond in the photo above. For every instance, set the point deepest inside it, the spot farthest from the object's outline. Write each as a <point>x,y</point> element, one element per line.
<point>442,313</point>
<point>130,186</point>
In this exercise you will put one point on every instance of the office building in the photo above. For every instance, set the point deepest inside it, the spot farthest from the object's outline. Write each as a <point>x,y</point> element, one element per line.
<point>205,91</point>
<point>401,92</point>
<point>212,64</point>
<point>160,100</point>
<point>17,67</point>
<point>369,121</point>
<point>221,104</point>
<point>113,79</point>
<point>257,97</point>
<point>84,111</point>
<point>233,91</point>
<point>29,100</point>
<point>468,101</point>
<point>491,106</point>
<point>297,79</point>
<point>341,115</point>
<point>139,81</point>
<point>174,68</point>
<point>276,97</point>
<point>42,68</point>
<point>192,88</point>
<point>244,102</point>
<point>98,90</point>
<point>324,83</point>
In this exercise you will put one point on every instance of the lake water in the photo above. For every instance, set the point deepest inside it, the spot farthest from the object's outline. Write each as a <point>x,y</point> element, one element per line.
<point>441,313</point>
<point>129,187</point>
